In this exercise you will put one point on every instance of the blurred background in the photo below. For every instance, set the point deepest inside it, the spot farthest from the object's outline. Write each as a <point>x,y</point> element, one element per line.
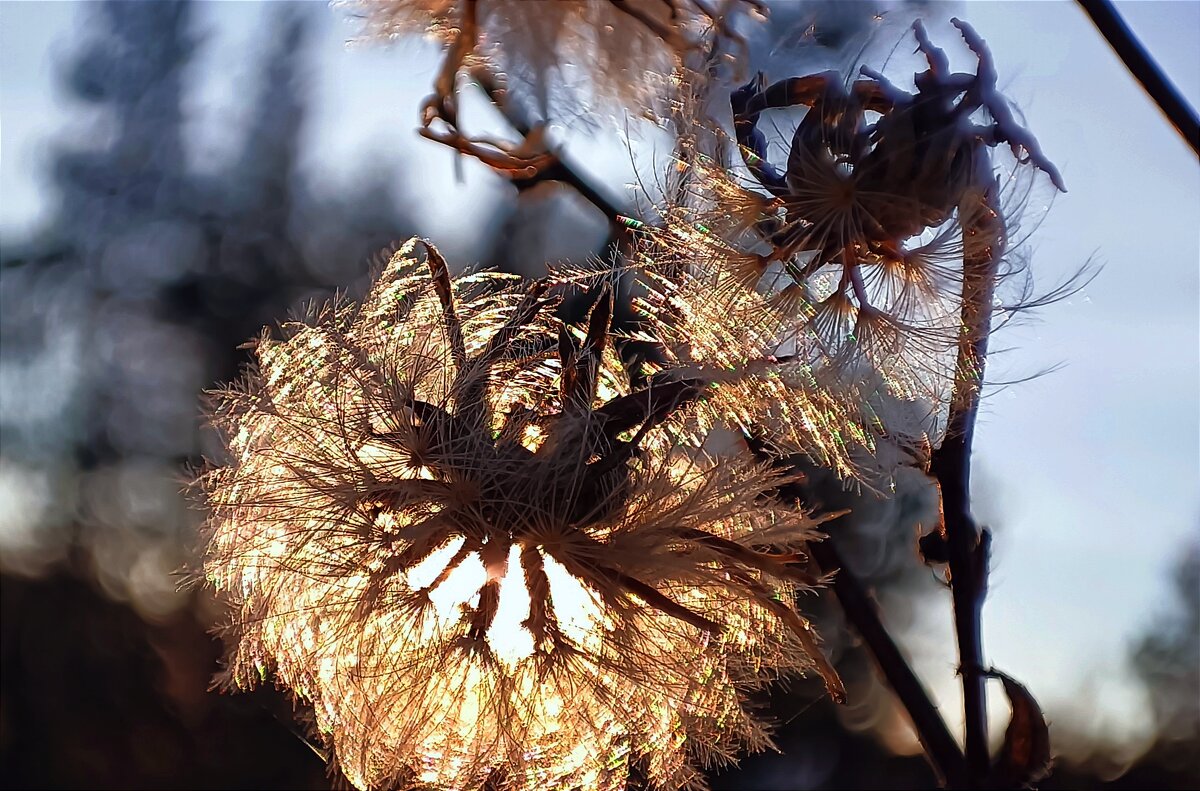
<point>176,175</point>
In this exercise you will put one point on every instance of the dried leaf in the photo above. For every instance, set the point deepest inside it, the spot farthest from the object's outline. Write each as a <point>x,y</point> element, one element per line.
<point>1025,757</point>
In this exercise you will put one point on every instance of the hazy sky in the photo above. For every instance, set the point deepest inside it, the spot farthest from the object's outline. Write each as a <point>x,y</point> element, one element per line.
<point>1089,475</point>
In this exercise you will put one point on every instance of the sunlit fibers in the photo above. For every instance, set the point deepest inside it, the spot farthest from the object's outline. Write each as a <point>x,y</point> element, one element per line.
<point>450,587</point>
<point>579,616</point>
<point>508,638</point>
<point>424,573</point>
<point>532,437</point>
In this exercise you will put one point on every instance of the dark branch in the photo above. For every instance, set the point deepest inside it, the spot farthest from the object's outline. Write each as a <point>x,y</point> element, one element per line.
<point>950,467</point>
<point>941,749</point>
<point>560,170</point>
<point>860,608</point>
<point>1135,57</point>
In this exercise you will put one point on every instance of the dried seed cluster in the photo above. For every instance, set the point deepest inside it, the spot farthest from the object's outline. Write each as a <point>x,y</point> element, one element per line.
<point>452,526</point>
<point>487,556</point>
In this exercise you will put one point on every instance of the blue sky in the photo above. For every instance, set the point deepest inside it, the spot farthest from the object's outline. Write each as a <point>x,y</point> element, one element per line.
<point>1089,475</point>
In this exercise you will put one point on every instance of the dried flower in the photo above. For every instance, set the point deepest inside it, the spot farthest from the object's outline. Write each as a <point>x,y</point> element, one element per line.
<point>858,265</point>
<point>451,525</point>
<point>804,376</point>
<point>567,56</point>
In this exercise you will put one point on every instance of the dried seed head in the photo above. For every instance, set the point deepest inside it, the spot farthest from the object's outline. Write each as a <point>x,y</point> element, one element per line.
<point>570,54</point>
<point>885,232</point>
<point>452,526</point>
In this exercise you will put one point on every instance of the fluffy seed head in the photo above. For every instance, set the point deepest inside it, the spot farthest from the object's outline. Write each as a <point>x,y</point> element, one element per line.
<point>450,524</point>
<point>570,53</point>
<point>884,234</point>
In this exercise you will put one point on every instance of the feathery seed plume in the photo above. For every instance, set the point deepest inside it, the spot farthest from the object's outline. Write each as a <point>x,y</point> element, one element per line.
<point>450,524</point>
<point>855,265</point>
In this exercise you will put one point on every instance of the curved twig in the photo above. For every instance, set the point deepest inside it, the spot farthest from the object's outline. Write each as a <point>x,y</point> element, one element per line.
<point>1135,57</point>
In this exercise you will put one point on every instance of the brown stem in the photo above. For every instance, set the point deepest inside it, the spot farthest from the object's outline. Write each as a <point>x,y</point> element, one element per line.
<point>443,103</point>
<point>950,466</point>
<point>443,106</point>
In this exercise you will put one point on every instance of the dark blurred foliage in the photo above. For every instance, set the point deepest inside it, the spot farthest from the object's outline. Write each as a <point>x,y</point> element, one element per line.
<point>138,295</point>
<point>93,696</point>
<point>1168,657</point>
<point>115,317</point>
<point>1168,660</point>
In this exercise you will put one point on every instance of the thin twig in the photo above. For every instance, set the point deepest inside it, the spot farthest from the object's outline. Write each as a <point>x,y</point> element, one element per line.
<point>443,106</point>
<point>941,748</point>
<point>560,170</point>
<point>1135,57</point>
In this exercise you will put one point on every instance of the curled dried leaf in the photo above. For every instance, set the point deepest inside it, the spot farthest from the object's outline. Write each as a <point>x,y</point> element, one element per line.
<point>1025,757</point>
